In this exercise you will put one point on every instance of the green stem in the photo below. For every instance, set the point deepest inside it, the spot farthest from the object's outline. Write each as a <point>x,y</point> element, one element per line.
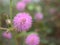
<point>16,41</point>
<point>11,10</point>
<point>0,21</point>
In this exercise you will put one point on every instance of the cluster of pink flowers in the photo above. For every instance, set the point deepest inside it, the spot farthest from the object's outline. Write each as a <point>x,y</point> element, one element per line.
<point>23,22</point>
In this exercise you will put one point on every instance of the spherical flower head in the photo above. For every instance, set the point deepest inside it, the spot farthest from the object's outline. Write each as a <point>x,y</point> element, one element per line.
<point>52,10</point>
<point>20,6</point>
<point>22,21</point>
<point>7,35</point>
<point>26,1</point>
<point>38,16</point>
<point>32,39</point>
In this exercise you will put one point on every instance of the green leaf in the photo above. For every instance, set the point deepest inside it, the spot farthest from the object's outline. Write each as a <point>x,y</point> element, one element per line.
<point>31,7</point>
<point>52,44</point>
<point>21,34</point>
<point>44,41</point>
<point>49,31</point>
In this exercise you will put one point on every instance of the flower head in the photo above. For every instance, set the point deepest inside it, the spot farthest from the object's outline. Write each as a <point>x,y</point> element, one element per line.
<point>52,10</point>
<point>20,6</point>
<point>22,21</point>
<point>26,1</point>
<point>38,16</point>
<point>32,39</point>
<point>7,35</point>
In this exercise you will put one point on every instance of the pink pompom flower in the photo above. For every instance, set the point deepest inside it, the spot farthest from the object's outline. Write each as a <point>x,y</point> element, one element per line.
<point>20,6</point>
<point>52,10</point>
<point>7,35</point>
<point>38,16</point>
<point>27,1</point>
<point>32,39</point>
<point>22,21</point>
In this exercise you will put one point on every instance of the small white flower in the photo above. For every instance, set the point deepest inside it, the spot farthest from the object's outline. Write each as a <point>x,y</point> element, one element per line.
<point>8,21</point>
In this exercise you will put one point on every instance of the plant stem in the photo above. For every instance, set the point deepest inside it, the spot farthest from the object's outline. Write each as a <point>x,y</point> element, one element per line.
<point>4,28</point>
<point>10,29</point>
<point>17,42</point>
<point>11,10</point>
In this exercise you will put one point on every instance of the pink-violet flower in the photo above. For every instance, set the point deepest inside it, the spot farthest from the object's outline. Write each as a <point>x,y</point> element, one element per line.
<point>52,10</point>
<point>38,16</point>
<point>7,35</point>
<point>22,21</point>
<point>27,1</point>
<point>20,6</point>
<point>32,39</point>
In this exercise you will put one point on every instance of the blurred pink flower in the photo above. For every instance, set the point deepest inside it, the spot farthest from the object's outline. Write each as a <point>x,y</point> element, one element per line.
<point>27,1</point>
<point>52,10</point>
<point>7,35</point>
<point>22,21</point>
<point>32,39</point>
<point>20,6</point>
<point>38,16</point>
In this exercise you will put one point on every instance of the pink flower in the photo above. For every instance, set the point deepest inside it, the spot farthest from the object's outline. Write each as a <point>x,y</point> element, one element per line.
<point>26,1</point>
<point>38,16</point>
<point>20,6</point>
<point>32,39</point>
<point>22,21</point>
<point>52,10</point>
<point>7,35</point>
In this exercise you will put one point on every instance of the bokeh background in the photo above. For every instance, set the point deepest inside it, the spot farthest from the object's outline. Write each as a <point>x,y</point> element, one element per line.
<point>48,29</point>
